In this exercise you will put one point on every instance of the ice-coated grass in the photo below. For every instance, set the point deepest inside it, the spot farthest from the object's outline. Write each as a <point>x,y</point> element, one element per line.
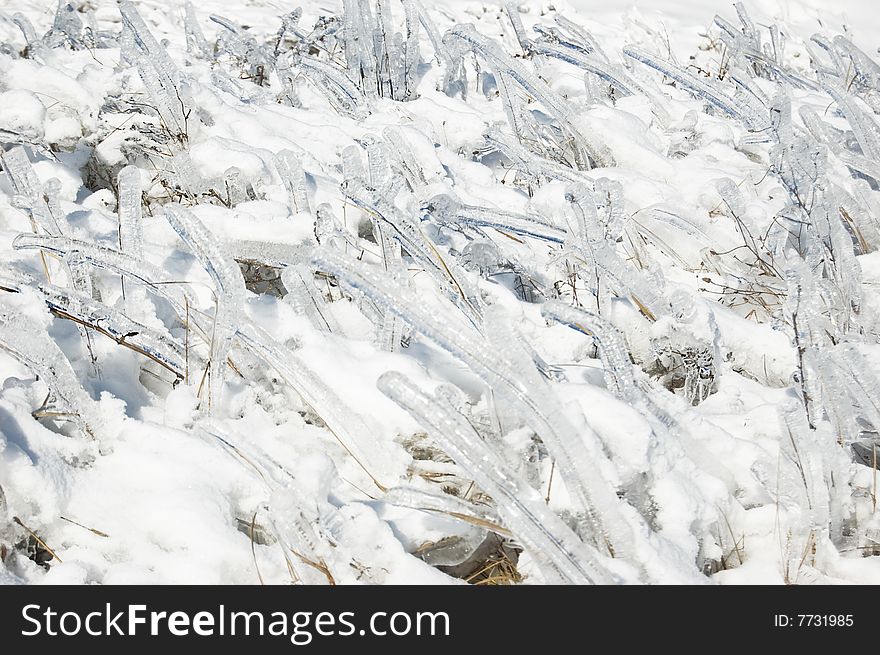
<point>361,297</point>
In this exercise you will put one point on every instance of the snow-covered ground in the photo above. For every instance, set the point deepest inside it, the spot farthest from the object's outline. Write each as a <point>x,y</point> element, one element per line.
<point>582,293</point>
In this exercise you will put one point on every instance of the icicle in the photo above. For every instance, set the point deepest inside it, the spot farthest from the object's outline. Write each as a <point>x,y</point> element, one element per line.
<point>129,206</point>
<point>26,185</point>
<point>511,8</point>
<point>296,523</point>
<point>355,39</point>
<point>196,44</point>
<point>74,250</point>
<point>519,122</point>
<point>403,158</point>
<point>860,380</point>
<point>619,377</point>
<point>186,176</point>
<point>66,27</point>
<point>416,244</point>
<point>415,8</point>
<point>411,51</point>
<point>296,530</point>
<point>748,27</point>
<point>146,45</point>
<point>798,443</point>
<point>154,279</point>
<point>864,126</point>
<point>530,163</point>
<point>580,38</point>
<point>615,76</point>
<point>838,406</point>
<point>379,175</point>
<point>383,51</point>
<point>352,163</point>
<point>629,282</point>
<point>289,168</point>
<point>866,71</point>
<point>35,49</point>
<point>233,180</point>
<point>45,213</point>
<point>256,61</point>
<point>480,515</point>
<point>305,296</point>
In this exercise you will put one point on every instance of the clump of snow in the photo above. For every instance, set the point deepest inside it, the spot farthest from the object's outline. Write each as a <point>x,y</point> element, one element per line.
<point>22,113</point>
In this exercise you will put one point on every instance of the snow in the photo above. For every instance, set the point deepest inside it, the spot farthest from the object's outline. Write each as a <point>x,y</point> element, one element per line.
<point>303,435</point>
<point>22,113</point>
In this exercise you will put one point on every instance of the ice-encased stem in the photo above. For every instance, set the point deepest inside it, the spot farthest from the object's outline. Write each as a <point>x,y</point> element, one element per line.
<point>31,345</point>
<point>165,96</point>
<point>863,124</point>
<point>344,424</point>
<point>531,163</point>
<point>481,515</point>
<point>342,93</point>
<point>615,76</point>
<point>229,286</point>
<point>559,551</point>
<point>511,8</point>
<point>87,312</point>
<point>756,120</point>
<point>36,49</point>
<point>287,507</point>
<point>446,210</point>
<point>144,41</point>
<point>195,38</point>
<point>236,186</point>
<point>307,299</point>
<point>411,50</point>
<point>618,367</point>
<point>103,257</point>
<point>129,211</point>
<point>292,176</point>
<point>26,184</point>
